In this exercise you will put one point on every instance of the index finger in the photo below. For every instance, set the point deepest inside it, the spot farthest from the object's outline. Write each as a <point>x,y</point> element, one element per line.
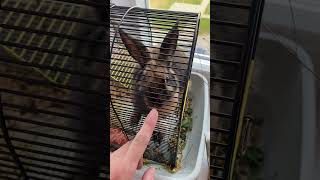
<point>142,139</point>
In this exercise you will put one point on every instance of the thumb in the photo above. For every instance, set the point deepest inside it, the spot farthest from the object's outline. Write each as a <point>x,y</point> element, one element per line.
<point>149,174</point>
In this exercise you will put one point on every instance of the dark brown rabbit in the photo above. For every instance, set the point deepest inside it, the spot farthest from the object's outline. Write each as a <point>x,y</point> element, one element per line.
<point>157,84</point>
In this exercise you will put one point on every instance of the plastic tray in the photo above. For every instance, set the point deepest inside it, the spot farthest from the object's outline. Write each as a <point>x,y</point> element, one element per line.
<point>195,147</point>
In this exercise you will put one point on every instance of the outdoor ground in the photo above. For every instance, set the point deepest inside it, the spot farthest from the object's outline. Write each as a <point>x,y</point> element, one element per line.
<point>197,6</point>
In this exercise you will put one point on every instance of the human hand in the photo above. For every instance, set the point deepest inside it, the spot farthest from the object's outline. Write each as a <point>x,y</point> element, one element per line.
<point>128,158</point>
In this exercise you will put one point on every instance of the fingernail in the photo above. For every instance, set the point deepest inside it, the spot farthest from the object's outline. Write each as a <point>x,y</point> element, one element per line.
<point>152,170</point>
<point>154,113</point>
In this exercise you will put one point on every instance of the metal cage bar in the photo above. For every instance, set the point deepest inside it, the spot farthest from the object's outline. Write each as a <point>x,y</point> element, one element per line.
<point>148,28</point>
<point>233,44</point>
<point>53,71</point>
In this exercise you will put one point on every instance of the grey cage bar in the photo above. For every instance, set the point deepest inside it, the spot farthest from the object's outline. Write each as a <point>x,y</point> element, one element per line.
<point>53,76</point>
<point>151,59</point>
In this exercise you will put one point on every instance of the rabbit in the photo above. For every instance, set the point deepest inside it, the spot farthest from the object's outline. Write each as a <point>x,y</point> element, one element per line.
<point>156,83</point>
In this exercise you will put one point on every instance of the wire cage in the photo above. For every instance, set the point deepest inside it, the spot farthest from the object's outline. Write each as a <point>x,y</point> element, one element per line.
<point>235,25</point>
<point>151,59</point>
<point>53,76</point>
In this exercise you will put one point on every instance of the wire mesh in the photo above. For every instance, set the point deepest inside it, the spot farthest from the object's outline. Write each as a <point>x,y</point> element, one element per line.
<point>235,25</point>
<point>151,58</point>
<point>53,77</point>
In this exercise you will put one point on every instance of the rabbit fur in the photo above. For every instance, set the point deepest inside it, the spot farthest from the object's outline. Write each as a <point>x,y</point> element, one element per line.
<point>158,78</point>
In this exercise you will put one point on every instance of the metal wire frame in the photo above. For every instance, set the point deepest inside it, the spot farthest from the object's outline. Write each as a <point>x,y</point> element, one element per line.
<point>224,125</point>
<point>8,142</point>
<point>111,49</point>
<point>150,26</point>
<point>46,139</point>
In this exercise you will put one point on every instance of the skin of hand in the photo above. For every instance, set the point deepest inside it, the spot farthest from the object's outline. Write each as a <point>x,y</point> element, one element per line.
<point>128,158</point>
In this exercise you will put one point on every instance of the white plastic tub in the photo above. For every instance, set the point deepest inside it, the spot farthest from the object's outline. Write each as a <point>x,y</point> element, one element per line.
<point>195,147</point>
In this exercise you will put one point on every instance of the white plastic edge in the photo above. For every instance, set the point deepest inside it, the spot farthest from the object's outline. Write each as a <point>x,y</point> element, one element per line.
<point>309,131</point>
<point>206,120</point>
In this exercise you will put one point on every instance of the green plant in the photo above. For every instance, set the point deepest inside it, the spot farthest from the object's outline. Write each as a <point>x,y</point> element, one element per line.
<point>187,121</point>
<point>204,28</point>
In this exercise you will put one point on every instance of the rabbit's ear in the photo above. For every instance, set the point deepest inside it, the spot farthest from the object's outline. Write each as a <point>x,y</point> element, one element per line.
<point>169,43</point>
<point>135,47</point>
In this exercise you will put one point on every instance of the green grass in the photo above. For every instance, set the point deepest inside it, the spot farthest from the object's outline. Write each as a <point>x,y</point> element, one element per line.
<point>189,1</point>
<point>161,4</point>
<point>165,4</point>
<point>204,26</point>
<point>207,10</point>
<point>162,24</point>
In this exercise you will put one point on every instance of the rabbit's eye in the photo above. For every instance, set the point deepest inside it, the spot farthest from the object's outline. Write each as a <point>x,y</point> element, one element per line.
<point>167,78</point>
<point>170,80</point>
